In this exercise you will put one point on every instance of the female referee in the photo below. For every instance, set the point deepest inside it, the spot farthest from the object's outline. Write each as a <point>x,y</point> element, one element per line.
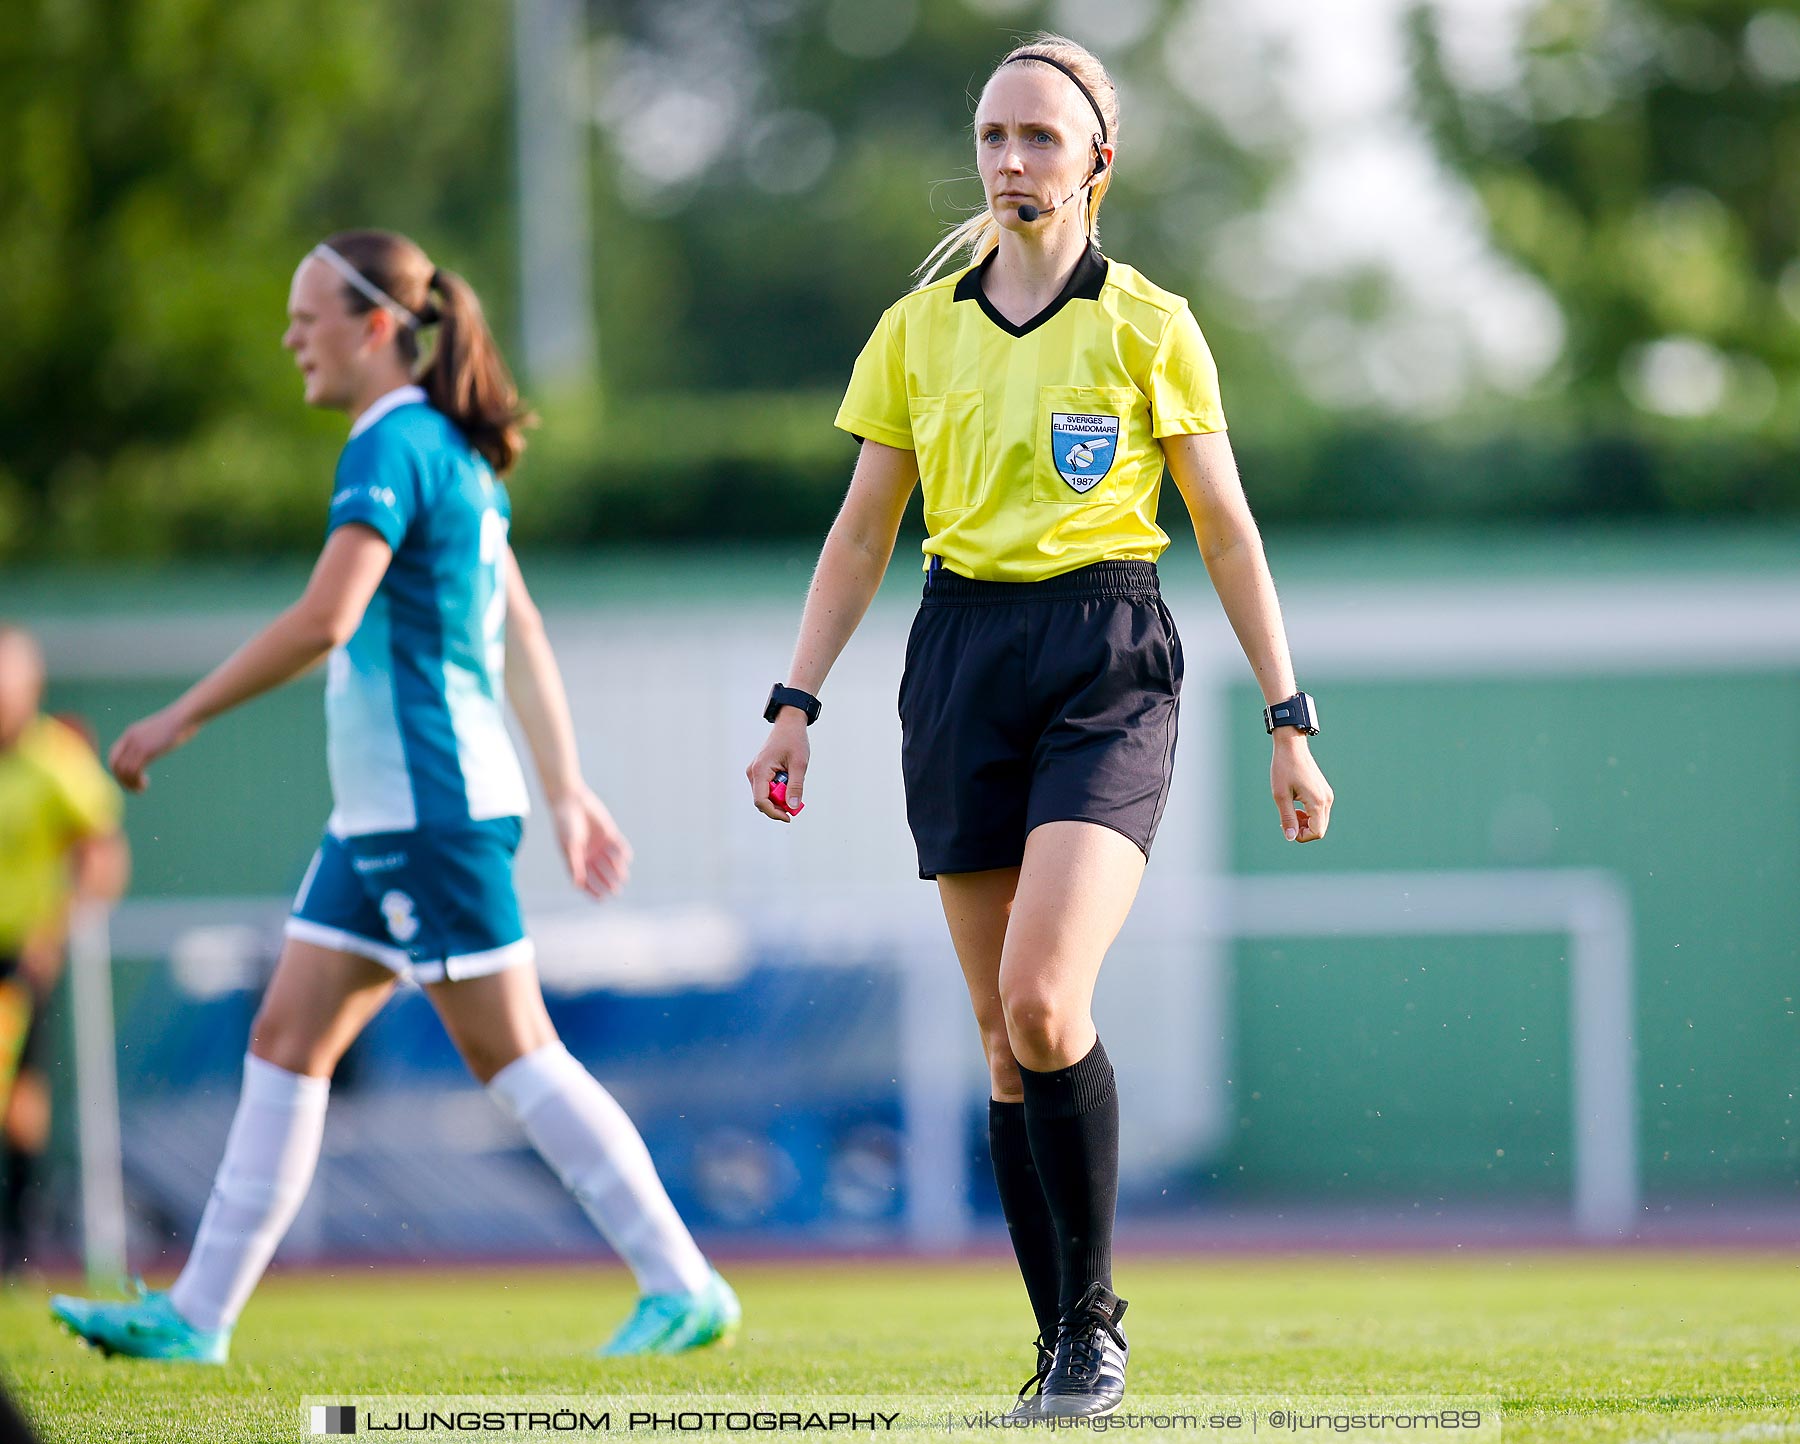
<point>1038,395</point>
<point>419,604</point>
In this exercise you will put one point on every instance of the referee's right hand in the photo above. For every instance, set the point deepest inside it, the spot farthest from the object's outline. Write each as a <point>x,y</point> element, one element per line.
<point>787,750</point>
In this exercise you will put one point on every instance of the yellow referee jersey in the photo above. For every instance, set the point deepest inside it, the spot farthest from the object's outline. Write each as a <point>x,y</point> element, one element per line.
<point>53,794</point>
<point>1037,444</point>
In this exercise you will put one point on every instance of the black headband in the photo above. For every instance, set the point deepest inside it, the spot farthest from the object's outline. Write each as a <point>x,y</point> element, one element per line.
<point>1087,94</point>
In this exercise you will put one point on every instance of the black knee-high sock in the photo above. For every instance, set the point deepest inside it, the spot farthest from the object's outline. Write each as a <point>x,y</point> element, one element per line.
<point>1072,1120</point>
<point>1027,1212</point>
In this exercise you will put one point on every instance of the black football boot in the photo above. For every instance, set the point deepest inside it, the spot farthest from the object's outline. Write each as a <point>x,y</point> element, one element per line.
<point>1087,1374</point>
<point>1032,1389</point>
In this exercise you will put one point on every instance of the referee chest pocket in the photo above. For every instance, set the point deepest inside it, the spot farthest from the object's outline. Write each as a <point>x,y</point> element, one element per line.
<point>1080,430</point>
<point>950,440</point>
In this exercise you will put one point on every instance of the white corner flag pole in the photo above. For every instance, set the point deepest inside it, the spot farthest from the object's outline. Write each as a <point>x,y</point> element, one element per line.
<point>97,1097</point>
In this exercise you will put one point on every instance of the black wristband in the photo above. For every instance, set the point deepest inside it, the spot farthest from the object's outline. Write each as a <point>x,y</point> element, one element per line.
<point>782,696</point>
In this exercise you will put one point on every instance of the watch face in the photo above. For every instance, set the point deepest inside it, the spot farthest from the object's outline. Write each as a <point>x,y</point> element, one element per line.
<point>1297,712</point>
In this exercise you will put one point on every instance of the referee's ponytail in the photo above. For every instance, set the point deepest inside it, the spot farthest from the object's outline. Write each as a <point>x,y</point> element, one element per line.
<point>465,378</point>
<point>981,232</point>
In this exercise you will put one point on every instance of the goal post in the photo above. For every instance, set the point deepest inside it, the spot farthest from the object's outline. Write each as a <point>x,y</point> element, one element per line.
<point>99,1140</point>
<point>1589,906</point>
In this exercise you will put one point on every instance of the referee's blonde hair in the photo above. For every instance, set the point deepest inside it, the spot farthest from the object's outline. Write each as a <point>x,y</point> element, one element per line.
<point>981,232</point>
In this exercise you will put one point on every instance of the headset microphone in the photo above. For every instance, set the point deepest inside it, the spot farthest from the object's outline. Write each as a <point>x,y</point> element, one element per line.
<point>1029,213</point>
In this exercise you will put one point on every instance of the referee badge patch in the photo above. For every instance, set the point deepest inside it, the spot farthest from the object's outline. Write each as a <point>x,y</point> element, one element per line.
<point>1085,447</point>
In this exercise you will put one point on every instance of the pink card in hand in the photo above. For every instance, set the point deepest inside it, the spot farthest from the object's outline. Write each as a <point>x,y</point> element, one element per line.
<point>778,795</point>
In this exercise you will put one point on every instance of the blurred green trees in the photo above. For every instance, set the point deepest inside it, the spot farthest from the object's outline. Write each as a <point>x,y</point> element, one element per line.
<point>767,174</point>
<point>163,166</point>
<point>1642,159</point>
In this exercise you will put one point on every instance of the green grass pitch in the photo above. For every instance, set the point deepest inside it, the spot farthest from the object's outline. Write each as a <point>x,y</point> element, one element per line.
<point>1629,1346</point>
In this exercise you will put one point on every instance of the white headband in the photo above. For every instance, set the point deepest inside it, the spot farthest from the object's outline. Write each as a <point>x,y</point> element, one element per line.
<point>362,283</point>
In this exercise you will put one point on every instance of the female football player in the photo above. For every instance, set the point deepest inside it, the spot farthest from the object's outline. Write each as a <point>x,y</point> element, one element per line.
<point>418,605</point>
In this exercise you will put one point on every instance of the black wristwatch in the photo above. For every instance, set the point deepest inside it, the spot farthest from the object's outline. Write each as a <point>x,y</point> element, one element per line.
<point>1298,711</point>
<point>780,696</point>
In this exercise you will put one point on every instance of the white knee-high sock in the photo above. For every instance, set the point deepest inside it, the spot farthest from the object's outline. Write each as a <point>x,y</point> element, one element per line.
<point>581,1132</point>
<point>270,1155</point>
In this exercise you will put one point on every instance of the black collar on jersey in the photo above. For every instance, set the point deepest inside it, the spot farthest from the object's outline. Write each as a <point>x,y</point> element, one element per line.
<point>1084,284</point>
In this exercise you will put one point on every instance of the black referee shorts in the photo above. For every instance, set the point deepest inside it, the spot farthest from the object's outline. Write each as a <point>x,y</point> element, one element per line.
<point>1032,702</point>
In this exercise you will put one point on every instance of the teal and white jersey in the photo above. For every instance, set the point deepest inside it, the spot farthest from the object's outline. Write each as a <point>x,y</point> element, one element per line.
<point>415,726</point>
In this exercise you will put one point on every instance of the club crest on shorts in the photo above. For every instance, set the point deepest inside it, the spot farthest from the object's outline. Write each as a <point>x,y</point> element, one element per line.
<point>397,912</point>
<point>1084,447</point>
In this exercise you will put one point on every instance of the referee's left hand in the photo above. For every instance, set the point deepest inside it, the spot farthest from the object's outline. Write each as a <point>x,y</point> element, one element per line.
<point>1302,795</point>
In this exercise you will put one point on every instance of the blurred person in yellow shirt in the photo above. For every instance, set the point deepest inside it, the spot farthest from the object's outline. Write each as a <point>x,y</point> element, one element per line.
<point>60,846</point>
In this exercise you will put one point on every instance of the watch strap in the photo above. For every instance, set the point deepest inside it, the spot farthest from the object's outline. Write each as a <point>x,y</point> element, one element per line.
<point>781,696</point>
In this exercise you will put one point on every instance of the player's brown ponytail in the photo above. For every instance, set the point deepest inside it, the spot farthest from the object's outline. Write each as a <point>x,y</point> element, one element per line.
<point>465,377</point>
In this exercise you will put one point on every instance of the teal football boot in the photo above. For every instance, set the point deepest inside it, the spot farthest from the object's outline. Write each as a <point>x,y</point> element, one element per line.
<point>145,1328</point>
<point>675,1323</point>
